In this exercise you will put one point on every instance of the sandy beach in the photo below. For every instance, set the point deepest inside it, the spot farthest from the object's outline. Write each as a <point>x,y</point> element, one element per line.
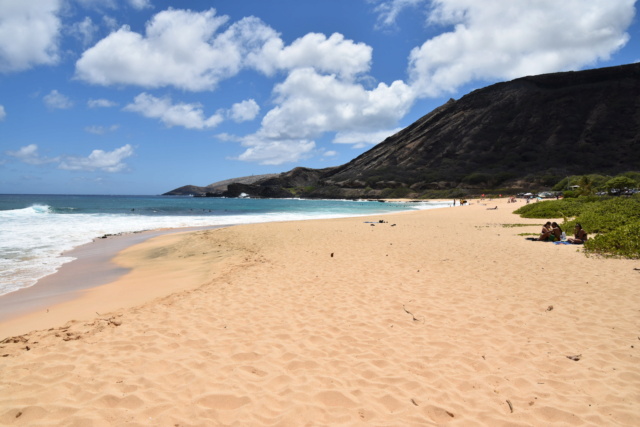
<point>438,317</point>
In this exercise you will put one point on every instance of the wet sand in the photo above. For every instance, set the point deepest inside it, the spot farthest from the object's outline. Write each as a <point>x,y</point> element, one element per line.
<point>93,266</point>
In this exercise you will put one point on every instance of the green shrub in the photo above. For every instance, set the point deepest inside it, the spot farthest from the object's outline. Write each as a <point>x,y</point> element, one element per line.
<point>621,242</point>
<point>609,214</point>
<point>552,208</point>
<point>616,221</point>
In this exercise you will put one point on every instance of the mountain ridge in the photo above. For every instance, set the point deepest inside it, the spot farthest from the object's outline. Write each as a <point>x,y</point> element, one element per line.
<point>528,131</point>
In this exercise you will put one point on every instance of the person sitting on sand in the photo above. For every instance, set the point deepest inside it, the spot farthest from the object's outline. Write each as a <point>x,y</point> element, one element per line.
<point>556,231</point>
<point>579,236</point>
<point>546,232</point>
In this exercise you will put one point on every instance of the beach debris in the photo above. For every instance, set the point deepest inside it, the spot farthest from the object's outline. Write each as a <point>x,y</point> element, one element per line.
<point>414,402</point>
<point>510,405</point>
<point>575,358</point>
<point>412,315</point>
<point>71,337</point>
<point>331,254</point>
<point>550,308</point>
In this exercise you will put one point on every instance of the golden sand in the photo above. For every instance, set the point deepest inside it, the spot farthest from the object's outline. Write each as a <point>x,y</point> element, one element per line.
<point>434,317</point>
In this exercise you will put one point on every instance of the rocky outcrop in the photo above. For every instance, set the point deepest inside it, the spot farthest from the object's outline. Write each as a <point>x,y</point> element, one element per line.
<point>259,191</point>
<point>217,189</point>
<point>187,190</point>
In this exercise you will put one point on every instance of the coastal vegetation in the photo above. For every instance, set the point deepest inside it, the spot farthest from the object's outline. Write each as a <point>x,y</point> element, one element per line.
<point>613,222</point>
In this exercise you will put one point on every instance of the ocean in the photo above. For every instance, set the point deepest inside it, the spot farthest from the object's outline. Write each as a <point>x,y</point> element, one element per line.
<point>36,230</point>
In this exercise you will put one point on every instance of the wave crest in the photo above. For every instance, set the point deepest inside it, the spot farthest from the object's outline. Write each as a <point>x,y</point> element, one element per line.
<point>31,210</point>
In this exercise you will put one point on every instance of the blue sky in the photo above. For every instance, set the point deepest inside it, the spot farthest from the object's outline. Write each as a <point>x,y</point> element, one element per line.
<point>143,96</point>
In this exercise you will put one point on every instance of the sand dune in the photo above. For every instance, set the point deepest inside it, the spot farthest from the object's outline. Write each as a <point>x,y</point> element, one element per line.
<point>433,318</point>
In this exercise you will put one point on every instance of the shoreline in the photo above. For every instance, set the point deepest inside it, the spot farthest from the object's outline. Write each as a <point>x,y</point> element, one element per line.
<point>94,267</point>
<point>433,317</point>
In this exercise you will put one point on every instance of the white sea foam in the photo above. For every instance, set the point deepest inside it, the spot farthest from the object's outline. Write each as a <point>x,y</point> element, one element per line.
<point>33,239</point>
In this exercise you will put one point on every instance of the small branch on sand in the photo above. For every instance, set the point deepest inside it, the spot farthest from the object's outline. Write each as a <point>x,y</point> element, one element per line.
<point>510,405</point>
<point>408,312</point>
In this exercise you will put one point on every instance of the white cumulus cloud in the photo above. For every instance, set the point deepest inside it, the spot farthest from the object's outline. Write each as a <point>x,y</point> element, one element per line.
<point>107,161</point>
<point>494,39</point>
<point>275,152</point>
<point>29,33</point>
<point>140,4</point>
<point>244,111</point>
<point>389,10</point>
<point>84,31</point>
<point>309,104</point>
<point>189,116</point>
<point>101,103</point>
<point>3,113</point>
<point>101,130</point>
<point>57,101</point>
<point>326,55</point>
<point>192,51</point>
<point>29,154</point>
<point>180,48</point>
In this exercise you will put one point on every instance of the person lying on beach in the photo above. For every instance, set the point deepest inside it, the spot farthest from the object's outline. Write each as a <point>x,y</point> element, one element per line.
<point>556,231</point>
<point>545,232</point>
<point>579,236</point>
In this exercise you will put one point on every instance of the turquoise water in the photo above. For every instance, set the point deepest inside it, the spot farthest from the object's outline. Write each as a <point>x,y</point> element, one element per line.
<point>35,230</point>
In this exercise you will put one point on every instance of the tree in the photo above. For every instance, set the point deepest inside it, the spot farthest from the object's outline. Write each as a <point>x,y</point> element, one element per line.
<point>618,184</point>
<point>586,185</point>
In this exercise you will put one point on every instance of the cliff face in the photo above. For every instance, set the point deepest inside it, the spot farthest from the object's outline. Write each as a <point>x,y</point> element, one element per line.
<point>556,124</point>
<point>529,130</point>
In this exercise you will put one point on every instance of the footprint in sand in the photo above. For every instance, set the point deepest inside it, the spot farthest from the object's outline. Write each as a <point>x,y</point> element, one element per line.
<point>335,399</point>
<point>223,401</point>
